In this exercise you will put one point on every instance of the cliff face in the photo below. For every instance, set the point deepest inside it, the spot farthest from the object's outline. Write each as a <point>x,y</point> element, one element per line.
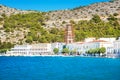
<point>103,9</point>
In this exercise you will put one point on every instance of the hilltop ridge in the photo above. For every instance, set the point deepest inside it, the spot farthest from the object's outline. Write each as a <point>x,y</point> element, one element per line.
<point>103,9</point>
<point>10,11</point>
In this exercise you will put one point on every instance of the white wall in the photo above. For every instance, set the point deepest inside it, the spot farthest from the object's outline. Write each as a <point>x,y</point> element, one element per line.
<point>108,39</point>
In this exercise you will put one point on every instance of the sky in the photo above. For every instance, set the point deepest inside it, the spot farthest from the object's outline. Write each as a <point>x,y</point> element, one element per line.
<point>47,5</point>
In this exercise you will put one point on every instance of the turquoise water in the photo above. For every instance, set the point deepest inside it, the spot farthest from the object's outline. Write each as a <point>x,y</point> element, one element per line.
<point>59,68</point>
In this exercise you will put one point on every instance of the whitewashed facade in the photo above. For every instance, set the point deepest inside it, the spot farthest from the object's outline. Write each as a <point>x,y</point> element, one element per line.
<point>117,48</point>
<point>35,49</point>
<point>58,45</point>
<point>89,39</point>
<point>108,39</point>
<point>82,47</point>
<point>41,49</point>
<point>20,50</point>
<point>114,51</point>
<point>85,46</point>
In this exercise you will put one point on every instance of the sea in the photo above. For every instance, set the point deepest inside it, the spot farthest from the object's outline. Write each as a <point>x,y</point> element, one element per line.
<point>59,68</point>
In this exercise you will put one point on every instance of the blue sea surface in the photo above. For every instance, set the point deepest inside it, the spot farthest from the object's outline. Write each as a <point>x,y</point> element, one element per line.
<point>59,68</point>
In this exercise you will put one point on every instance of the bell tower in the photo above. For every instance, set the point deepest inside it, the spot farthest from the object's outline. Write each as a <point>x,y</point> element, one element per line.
<point>69,34</point>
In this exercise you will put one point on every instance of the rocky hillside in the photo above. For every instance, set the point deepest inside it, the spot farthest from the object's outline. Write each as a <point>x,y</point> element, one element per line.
<point>104,9</point>
<point>32,27</point>
<point>57,18</point>
<point>9,11</point>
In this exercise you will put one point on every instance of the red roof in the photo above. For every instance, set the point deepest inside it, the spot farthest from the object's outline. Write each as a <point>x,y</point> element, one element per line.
<point>99,41</point>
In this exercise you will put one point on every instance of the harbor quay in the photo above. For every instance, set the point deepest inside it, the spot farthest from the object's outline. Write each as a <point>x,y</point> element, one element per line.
<point>111,45</point>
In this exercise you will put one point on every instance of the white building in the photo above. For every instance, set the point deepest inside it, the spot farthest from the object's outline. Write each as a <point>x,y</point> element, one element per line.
<point>58,45</point>
<point>107,44</point>
<point>35,49</point>
<point>83,47</point>
<point>89,39</point>
<point>20,50</point>
<point>41,49</point>
<point>117,47</point>
<point>108,39</point>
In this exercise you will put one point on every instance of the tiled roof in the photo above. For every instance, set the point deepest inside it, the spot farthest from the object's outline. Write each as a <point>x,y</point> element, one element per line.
<point>99,41</point>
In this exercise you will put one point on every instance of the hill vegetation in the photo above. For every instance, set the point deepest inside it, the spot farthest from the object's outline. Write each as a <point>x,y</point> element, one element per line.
<point>96,27</point>
<point>31,28</point>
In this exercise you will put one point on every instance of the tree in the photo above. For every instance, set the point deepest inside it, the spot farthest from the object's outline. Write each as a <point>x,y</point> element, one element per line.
<point>112,18</point>
<point>65,50</point>
<point>55,50</point>
<point>89,52</point>
<point>3,15</point>
<point>96,19</point>
<point>115,14</point>
<point>3,50</point>
<point>72,21</point>
<point>29,39</point>
<point>72,52</point>
<point>93,51</point>
<point>102,50</point>
<point>7,29</point>
<point>1,19</point>
<point>54,30</point>
<point>42,39</point>
<point>63,22</point>
<point>98,50</point>
<point>4,46</point>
